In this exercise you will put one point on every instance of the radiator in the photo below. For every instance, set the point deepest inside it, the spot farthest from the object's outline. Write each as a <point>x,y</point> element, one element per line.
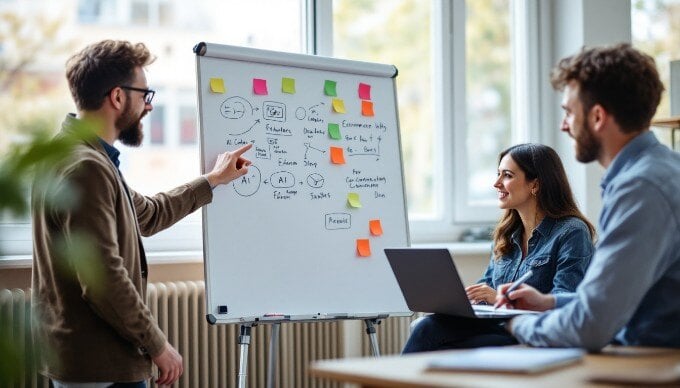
<point>210,352</point>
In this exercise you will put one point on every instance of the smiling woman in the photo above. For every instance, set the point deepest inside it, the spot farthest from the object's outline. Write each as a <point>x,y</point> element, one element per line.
<point>542,232</point>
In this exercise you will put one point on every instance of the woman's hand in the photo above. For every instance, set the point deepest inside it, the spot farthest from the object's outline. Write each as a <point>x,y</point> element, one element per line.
<point>478,293</point>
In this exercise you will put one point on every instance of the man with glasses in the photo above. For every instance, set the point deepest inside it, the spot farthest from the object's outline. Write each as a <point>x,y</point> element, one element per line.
<point>90,319</point>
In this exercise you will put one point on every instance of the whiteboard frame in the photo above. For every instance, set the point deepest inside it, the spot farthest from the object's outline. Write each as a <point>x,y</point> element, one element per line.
<point>245,54</point>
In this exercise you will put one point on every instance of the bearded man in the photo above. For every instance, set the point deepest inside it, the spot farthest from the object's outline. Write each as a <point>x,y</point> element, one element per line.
<point>90,320</point>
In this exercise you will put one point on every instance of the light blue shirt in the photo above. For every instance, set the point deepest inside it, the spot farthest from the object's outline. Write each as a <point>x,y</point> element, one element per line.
<point>631,292</point>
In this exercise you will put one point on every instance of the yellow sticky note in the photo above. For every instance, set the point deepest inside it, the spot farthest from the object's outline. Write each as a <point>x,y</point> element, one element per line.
<point>376,227</point>
<point>353,200</point>
<point>337,155</point>
<point>288,85</point>
<point>363,247</point>
<point>217,85</point>
<point>367,108</point>
<point>338,105</point>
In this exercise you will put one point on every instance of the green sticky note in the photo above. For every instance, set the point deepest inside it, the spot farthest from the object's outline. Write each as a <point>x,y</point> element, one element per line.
<point>353,200</point>
<point>329,88</point>
<point>334,131</point>
<point>288,85</point>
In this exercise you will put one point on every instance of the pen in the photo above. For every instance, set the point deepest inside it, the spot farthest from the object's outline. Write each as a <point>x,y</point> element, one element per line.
<point>517,283</point>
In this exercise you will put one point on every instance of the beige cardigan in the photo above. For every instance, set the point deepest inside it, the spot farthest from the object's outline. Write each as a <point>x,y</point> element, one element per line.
<point>90,320</point>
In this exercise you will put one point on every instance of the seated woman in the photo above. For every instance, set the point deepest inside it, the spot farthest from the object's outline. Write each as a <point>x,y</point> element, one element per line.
<point>542,230</point>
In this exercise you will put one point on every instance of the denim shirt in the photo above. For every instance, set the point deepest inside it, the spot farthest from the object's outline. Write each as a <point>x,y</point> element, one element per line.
<point>559,252</point>
<point>630,292</point>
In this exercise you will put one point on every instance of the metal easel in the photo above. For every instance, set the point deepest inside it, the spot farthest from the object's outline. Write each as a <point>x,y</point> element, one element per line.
<point>244,343</point>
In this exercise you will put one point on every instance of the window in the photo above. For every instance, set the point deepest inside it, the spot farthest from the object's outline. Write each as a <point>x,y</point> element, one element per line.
<point>455,72</point>
<point>187,125</point>
<point>656,31</point>
<point>457,60</point>
<point>157,124</point>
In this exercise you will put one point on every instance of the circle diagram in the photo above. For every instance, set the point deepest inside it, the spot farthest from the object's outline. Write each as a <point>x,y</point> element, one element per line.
<point>248,184</point>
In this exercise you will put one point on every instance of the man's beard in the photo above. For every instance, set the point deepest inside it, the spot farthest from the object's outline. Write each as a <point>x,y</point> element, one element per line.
<point>587,146</point>
<point>130,133</point>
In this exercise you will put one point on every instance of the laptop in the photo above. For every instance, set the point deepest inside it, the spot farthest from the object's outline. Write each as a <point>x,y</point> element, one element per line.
<point>430,283</point>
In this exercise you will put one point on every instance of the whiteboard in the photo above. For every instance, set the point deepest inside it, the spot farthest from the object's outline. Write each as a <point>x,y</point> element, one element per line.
<point>285,241</point>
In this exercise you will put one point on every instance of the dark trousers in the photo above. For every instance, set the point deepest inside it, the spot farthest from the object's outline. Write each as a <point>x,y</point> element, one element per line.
<point>439,332</point>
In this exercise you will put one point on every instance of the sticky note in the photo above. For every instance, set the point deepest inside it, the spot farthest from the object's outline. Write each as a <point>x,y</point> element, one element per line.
<point>363,247</point>
<point>334,131</point>
<point>337,156</point>
<point>329,88</point>
<point>217,85</point>
<point>366,108</point>
<point>260,86</point>
<point>375,227</point>
<point>338,105</point>
<point>288,85</point>
<point>364,91</point>
<point>353,200</point>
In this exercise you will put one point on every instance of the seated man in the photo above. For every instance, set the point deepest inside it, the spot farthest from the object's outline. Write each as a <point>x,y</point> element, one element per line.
<point>629,294</point>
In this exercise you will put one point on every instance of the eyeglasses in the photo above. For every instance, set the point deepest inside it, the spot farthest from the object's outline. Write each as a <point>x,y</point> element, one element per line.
<point>148,93</point>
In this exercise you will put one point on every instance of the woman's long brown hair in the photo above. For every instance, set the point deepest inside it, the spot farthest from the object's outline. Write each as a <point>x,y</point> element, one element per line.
<point>554,196</point>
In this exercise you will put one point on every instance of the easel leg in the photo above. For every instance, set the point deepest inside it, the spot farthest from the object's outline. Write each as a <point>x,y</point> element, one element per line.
<point>370,330</point>
<point>273,351</point>
<point>244,342</point>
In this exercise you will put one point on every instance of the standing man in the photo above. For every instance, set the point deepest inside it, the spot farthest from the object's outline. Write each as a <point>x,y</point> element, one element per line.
<point>90,318</point>
<point>629,295</point>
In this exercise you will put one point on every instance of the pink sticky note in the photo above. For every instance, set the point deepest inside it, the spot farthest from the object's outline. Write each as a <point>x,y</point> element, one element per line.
<point>260,86</point>
<point>364,91</point>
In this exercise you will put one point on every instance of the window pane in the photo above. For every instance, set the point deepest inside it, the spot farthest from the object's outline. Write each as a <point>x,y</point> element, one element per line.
<point>488,74</point>
<point>34,94</point>
<point>187,125</point>
<point>157,124</point>
<point>656,31</point>
<point>398,32</point>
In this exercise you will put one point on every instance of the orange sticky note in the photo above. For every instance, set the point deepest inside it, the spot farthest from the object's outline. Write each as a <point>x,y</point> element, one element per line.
<point>260,86</point>
<point>337,156</point>
<point>375,227</point>
<point>363,247</point>
<point>367,108</point>
<point>364,91</point>
<point>338,105</point>
<point>217,85</point>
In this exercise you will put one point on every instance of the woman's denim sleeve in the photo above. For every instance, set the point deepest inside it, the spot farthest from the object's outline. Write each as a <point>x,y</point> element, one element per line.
<point>573,257</point>
<point>488,274</point>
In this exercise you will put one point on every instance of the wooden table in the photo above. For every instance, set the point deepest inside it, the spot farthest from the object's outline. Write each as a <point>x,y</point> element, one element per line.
<point>644,364</point>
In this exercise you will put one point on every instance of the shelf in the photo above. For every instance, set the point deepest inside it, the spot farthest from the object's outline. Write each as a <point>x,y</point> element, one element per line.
<point>670,122</point>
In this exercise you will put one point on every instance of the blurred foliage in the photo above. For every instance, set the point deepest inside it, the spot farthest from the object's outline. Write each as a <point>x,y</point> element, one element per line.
<point>31,103</point>
<point>27,163</point>
<point>31,86</point>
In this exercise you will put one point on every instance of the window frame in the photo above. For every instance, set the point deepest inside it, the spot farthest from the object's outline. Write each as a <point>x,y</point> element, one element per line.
<point>453,214</point>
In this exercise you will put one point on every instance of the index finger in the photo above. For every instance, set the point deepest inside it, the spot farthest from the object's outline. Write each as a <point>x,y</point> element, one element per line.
<point>240,151</point>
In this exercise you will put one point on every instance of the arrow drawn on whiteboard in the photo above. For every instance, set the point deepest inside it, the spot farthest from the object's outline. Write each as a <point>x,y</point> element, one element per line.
<point>308,146</point>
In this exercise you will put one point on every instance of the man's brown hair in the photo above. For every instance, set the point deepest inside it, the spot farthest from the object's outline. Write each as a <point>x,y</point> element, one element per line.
<point>100,67</point>
<point>622,79</point>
